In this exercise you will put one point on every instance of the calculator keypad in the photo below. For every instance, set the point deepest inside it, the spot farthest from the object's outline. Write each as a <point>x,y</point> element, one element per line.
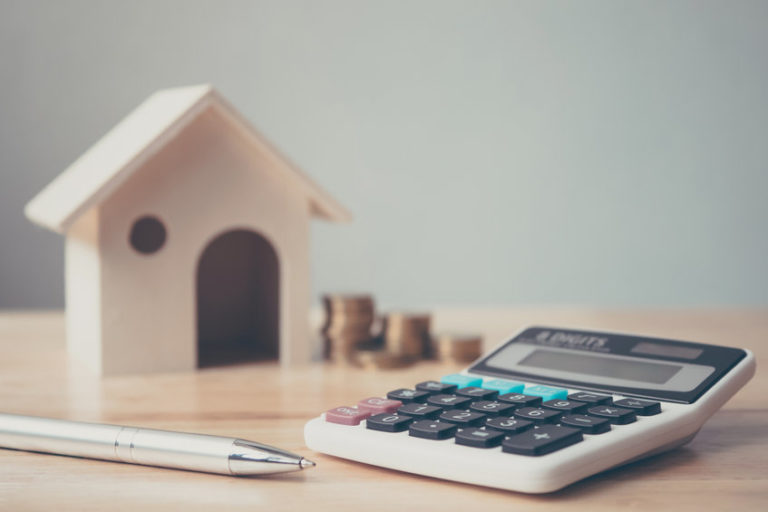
<point>524,419</point>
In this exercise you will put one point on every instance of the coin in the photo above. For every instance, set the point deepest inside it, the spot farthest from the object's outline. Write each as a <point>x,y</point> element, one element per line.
<point>407,334</point>
<point>348,321</point>
<point>458,347</point>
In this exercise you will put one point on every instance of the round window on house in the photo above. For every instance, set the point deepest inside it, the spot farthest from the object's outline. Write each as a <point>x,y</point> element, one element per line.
<point>147,234</point>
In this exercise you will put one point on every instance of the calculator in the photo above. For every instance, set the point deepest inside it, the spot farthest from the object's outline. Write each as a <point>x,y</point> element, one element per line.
<point>544,409</point>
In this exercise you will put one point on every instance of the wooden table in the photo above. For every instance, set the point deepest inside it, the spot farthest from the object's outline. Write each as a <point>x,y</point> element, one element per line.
<point>724,468</point>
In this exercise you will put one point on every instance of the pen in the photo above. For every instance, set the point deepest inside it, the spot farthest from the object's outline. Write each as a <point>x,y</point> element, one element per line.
<point>149,447</point>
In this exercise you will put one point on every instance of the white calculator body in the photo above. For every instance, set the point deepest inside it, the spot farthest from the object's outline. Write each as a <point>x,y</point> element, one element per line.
<point>544,409</point>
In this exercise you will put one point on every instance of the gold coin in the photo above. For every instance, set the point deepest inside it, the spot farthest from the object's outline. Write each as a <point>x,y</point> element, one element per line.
<point>457,347</point>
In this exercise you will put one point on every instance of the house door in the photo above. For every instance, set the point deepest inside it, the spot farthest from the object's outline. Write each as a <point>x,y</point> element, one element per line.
<point>237,300</point>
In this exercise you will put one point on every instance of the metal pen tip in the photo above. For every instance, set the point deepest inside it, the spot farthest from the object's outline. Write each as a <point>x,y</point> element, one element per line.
<point>306,463</point>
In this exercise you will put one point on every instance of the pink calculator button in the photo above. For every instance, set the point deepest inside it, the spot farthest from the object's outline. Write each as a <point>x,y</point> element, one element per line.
<point>375,405</point>
<point>346,415</point>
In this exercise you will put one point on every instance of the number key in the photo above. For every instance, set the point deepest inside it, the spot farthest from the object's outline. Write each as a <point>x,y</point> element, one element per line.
<point>449,401</point>
<point>492,408</point>
<point>508,425</point>
<point>387,422</point>
<point>520,400</point>
<point>463,418</point>
<point>420,410</point>
<point>566,406</point>
<point>538,415</point>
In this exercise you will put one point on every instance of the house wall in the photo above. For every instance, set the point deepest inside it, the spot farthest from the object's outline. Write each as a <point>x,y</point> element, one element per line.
<point>205,182</point>
<point>82,271</point>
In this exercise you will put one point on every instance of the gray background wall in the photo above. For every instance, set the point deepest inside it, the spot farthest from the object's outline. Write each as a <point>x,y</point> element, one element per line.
<point>609,153</point>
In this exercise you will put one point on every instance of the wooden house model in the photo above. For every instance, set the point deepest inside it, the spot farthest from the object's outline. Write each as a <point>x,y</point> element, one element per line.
<point>187,241</point>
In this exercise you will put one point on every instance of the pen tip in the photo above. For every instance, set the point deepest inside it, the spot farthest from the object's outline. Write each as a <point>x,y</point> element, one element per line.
<point>306,464</point>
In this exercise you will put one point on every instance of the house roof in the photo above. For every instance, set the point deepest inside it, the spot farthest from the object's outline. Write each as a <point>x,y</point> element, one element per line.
<point>128,146</point>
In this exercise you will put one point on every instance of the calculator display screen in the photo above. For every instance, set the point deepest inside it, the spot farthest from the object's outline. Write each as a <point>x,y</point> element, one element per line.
<point>678,371</point>
<point>589,365</point>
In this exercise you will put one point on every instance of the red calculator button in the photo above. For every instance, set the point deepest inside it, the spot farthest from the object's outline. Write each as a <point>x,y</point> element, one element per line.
<point>346,415</point>
<point>376,405</point>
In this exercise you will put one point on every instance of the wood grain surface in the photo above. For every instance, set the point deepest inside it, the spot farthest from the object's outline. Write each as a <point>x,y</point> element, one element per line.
<point>724,468</point>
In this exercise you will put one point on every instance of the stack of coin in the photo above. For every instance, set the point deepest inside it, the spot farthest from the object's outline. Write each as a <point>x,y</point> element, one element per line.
<point>381,359</point>
<point>458,348</point>
<point>407,335</point>
<point>348,320</point>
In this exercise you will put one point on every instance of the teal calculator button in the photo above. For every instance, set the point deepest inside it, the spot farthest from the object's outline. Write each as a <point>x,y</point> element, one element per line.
<point>504,386</point>
<point>462,381</point>
<point>546,392</point>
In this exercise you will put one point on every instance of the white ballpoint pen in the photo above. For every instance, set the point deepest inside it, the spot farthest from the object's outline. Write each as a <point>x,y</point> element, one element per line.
<point>149,447</point>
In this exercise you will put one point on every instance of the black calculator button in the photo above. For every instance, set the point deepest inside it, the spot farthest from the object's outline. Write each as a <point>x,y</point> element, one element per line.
<point>463,418</point>
<point>449,401</point>
<point>641,407</point>
<point>617,415</point>
<point>432,429</point>
<point>591,398</point>
<point>408,396</point>
<point>538,415</point>
<point>508,425</point>
<point>479,437</point>
<point>542,440</point>
<point>434,388</point>
<point>420,411</point>
<point>520,400</point>
<point>587,424</point>
<point>565,406</point>
<point>476,393</point>
<point>388,422</point>
<point>492,408</point>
